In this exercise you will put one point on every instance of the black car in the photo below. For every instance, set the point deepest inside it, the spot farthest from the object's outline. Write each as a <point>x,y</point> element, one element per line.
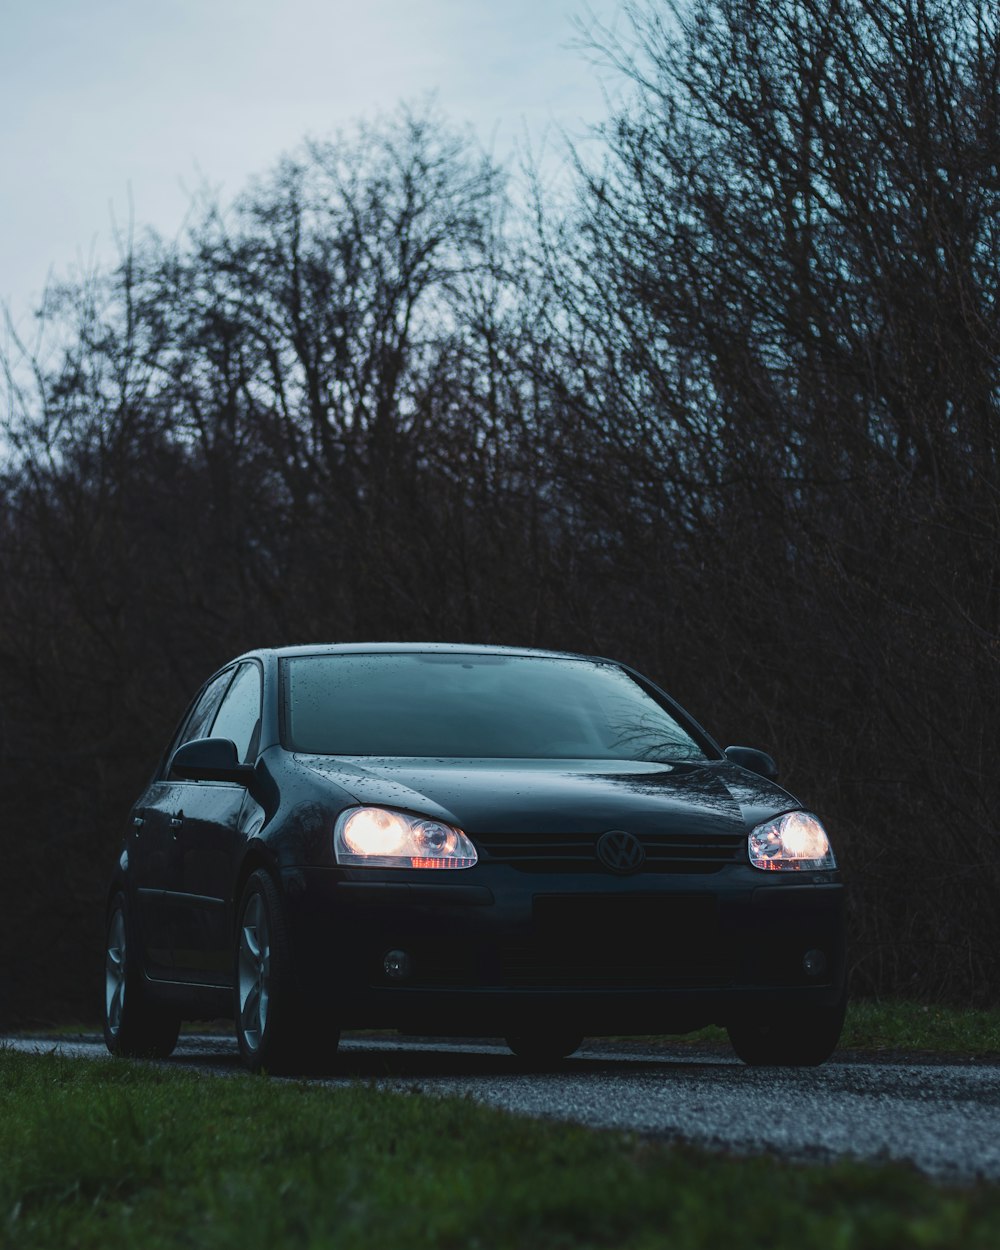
<point>466,840</point>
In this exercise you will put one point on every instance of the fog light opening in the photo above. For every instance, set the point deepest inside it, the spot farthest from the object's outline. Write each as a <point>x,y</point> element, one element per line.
<point>814,963</point>
<point>396,965</point>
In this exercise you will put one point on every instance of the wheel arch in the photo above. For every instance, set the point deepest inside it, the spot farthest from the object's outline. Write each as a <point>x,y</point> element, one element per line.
<point>257,856</point>
<point>117,885</point>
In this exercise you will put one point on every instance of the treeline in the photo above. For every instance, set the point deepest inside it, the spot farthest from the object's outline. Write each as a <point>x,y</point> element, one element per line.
<point>730,414</point>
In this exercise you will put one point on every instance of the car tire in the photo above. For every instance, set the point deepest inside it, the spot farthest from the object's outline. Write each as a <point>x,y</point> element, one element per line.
<point>275,1029</point>
<point>541,1049</point>
<point>134,1026</point>
<point>800,1038</point>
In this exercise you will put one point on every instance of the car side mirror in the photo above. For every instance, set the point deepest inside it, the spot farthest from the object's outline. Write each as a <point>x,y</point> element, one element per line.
<point>758,762</point>
<point>210,759</point>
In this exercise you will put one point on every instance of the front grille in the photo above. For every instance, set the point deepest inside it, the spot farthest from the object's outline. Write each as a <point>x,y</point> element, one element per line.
<point>526,968</point>
<point>627,942</point>
<point>577,852</point>
<point>591,942</point>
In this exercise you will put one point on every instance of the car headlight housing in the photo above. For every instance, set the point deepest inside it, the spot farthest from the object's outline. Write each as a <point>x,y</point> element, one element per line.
<point>378,837</point>
<point>796,841</point>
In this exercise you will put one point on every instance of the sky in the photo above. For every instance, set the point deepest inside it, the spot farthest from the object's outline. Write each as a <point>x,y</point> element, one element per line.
<point>116,111</point>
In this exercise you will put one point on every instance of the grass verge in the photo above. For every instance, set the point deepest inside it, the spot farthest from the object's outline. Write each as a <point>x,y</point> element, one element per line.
<point>903,1026</point>
<point>115,1154</point>
<point>872,1026</point>
<point>917,1026</point>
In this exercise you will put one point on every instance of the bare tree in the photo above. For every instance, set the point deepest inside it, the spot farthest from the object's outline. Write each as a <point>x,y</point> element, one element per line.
<point>779,400</point>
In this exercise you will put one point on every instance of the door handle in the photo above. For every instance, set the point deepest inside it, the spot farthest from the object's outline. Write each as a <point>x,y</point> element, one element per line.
<point>137,823</point>
<point>176,822</point>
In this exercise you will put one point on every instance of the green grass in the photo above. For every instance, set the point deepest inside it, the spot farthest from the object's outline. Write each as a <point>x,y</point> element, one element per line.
<point>115,1154</point>
<point>872,1026</point>
<point>914,1026</point>
<point>900,1026</point>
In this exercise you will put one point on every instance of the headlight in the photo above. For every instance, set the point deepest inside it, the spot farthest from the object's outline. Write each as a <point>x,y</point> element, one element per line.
<point>376,837</point>
<point>794,841</point>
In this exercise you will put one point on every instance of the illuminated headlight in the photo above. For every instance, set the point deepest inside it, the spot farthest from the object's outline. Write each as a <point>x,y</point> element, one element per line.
<point>794,841</point>
<point>376,837</point>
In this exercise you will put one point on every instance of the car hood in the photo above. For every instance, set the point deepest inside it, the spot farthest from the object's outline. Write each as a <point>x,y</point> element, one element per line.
<point>562,796</point>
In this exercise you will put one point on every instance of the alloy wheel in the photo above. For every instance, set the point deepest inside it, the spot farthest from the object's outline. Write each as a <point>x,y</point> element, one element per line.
<point>114,973</point>
<point>254,972</point>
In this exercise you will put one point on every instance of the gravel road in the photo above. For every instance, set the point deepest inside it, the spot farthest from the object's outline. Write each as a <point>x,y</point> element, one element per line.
<point>944,1118</point>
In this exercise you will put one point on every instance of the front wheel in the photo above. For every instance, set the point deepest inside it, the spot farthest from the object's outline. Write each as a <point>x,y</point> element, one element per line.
<point>134,1027</point>
<point>275,1029</point>
<point>797,1038</point>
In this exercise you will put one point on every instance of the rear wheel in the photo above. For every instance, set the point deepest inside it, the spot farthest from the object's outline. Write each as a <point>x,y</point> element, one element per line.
<point>134,1026</point>
<point>275,1029</point>
<point>799,1038</point>
<point>542,1047</point>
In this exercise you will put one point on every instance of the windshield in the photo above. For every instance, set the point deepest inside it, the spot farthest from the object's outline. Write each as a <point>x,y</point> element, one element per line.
<point>466,705</point>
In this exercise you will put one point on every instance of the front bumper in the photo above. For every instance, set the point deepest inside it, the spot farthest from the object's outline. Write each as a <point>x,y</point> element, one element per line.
<point>492,949</point>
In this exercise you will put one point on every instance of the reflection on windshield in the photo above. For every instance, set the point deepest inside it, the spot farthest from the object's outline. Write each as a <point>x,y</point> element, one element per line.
<point>463,705</point>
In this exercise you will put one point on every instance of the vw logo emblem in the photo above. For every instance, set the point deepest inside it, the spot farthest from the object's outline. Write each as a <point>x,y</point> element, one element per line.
<point>620,852</point>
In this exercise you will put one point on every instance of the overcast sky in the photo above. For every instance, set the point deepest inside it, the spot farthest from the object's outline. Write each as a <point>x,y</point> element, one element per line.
<point>104,100</point>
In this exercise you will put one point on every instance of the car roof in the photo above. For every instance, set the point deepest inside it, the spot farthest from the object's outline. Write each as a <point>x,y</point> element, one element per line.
<point>396,648</point>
